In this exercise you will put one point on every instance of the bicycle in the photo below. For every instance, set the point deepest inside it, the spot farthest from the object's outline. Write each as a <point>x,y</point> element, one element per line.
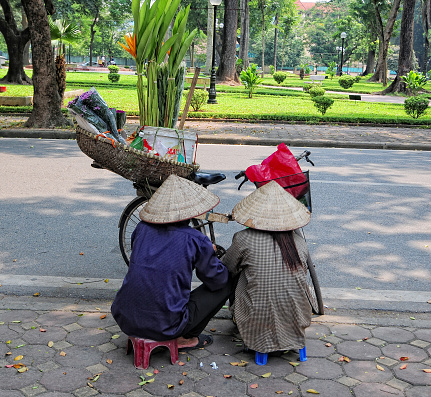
<point>205,223</point>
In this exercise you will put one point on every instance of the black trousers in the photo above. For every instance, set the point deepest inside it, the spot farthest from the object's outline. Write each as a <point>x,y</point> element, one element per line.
<point>204,304</point>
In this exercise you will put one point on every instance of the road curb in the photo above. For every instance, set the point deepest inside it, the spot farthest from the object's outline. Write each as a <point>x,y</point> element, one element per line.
<point>232,139</point>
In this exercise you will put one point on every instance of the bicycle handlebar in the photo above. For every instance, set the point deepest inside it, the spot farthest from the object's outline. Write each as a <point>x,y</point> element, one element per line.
<point>304,155</point>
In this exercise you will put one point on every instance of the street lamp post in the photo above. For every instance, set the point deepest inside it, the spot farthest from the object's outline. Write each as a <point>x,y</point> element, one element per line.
<point>212,91</point>
<point>338,59</point>
<point>343,36</point>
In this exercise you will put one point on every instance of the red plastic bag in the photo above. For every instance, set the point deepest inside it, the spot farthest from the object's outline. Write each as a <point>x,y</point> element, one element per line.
<point>282,167</point>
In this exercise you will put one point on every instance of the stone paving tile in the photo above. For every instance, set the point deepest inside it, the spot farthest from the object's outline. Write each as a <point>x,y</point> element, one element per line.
<point>319,368</point>
<point>36,354</point>
<point>296,378</point>
<point>107,347</point>
<point>57,394</point>
<point>376,390</point>
<point>86,392</point>
<point>376,342</point>
<point>47,366</point>
<point>54,334</point>
<point>414,374</point>
<point>33,390</point>
<point>216,385</point>
<point>395,351</point>
<point>93,320</point>
<point>420,343</point>
<point>88,337</point>
<point>10,393</point>
<point>367,372</point>
<point>65,379</point>
<point>10,379</point>
<point>347,381</point>
<point>316,331</point>
<point>17,315</point>
<point>417,391</point>
<point>78,357</point>
<point>117,382</point>
<point>8,334</point>
<point>269,387</point>
<point>57,318</point>
<point>317,348</point>
<point>398,384</point>
<point>358,350</point>
<point>386,361</point>
<point>72,327</point>
<point>424,334</point>
<point>326,388</point>
<point>350,332</point>
<point>393,334</point>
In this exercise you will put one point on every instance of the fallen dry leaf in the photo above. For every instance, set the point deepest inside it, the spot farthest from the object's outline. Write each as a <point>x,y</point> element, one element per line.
<point>36,294</point>
<point>279,392</point>
<point>213,330</point>
<point>403,366</point>
<point>90,385</point>
<point>50,343</point>
<point>404,358</point>
<point>227,376</point>
<point>106,280</point>
<point>18,358</point>
<point>312,391</point>
<point>170,386</point>
<point>63,354</point>
<point>42,329</point>
<point>109,361</point>
<point>115,336</point>
<point>103,316</point>
<point>293,364</point>
<point>149,374</point>
<point>267,375</point>
<point>254,386</point>
<point>81,253</point>
<point>380,368</point>
<point>184,373</point>
<point>344,358</point>
<point>156,371</point>
<point>180,363</point>
<point>22,369</point>
<point>328,344</point>
<point>181,382</point>
<point>427,370</point>
<point>235,364</point>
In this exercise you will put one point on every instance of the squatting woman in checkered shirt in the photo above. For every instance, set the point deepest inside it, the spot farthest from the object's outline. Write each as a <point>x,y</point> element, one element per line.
<point>271,308</point>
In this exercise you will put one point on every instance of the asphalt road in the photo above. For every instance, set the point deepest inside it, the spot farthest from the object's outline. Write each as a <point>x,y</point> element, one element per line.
<point>370,228</point>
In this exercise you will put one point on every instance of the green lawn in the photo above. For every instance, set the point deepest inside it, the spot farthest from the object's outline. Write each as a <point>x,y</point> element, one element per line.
<point>270,103</point>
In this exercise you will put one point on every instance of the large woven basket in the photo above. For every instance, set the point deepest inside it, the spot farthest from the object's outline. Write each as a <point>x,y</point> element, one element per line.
<point>130,163</point>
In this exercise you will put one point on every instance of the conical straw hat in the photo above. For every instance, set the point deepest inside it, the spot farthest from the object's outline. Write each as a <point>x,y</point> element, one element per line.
<point>271,208</point>
<point>178,199</point>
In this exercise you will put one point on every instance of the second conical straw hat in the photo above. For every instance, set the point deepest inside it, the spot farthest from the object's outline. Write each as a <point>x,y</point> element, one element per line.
<point>178,199</point>
<point>271,208</point>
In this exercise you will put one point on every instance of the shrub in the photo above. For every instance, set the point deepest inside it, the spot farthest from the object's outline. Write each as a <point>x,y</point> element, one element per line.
<point>357,78</point>
<point>416,106</point>
<point>316,91</point>
<point>307,87</point>
<point>272,69</point>
<point>346,81</point>
<point>113,68</point>
<point>322,103</point>
<point>113,77</point>
<point>414,81</point>
<point>331,69</point>
<point>199,98</point>
<point>250,79</point>
<point>279,77</point>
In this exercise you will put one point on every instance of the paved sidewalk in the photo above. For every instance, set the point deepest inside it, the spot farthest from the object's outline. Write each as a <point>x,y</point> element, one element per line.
<point>265,133</point>
<point>66,347</point>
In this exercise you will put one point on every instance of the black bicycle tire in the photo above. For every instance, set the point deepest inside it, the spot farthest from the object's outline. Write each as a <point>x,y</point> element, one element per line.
<point>130,215</point>
<point>315,294</point>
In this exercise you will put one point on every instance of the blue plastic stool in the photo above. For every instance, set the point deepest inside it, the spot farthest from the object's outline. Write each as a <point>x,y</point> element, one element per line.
<point>262,358</point>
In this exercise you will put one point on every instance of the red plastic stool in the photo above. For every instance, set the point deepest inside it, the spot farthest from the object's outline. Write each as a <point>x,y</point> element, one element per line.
<point>142,350</point>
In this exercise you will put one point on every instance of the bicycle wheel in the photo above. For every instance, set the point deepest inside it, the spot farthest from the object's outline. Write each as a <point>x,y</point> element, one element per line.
<point>314,294</point>
<point>128,221</point>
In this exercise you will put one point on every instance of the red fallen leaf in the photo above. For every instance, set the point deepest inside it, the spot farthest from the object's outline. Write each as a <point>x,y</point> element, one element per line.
<point>156,371</point>
<point>181,363</point>
<point>42,329</point>
<point>103,316</point>
<point>181,382</point>
<point>9,366</point>
<point>366,338</point>
<point>404,358</point>
<point>403,366</point>
<point>227,376</point>
<point>81,253</point>
<point>254,386</point>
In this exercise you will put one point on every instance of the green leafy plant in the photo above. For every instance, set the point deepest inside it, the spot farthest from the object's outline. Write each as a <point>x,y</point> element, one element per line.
<point>346,81</point>
<point>272,69</point>
<point>114,77</point>
<point>250,79</point>
<point>331,69</point>
<point>416,106</point>
<point>415,81</point>
<point>113,68</point>
<point>307,87</point>
<point>279,77</point>
<point>239,66</point>
<point>317,90</point>
<point>322,103</point>
<point>199,98</point>
<point>357,79</point>
<point>304,69</point>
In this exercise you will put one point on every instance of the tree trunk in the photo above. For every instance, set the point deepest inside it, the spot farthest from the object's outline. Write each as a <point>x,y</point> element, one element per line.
<point>92,33</point>
<point>245,33</point>
<point>262,9</point>
<point>385,33</point>
<point>210,36</point>
<point>371,61</point>
<point>26,52</point>
<point>426,24</point>
<point>405,60</point>
<point>275,41</point>
<point>226,72</point>
<point>46,101</point>
<point>15,41</point>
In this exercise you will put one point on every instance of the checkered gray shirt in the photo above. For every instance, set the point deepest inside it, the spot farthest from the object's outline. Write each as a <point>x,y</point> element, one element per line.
<point>271,307</point>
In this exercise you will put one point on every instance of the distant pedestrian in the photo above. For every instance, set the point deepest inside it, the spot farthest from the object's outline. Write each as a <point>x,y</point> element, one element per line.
<point>103,60</point>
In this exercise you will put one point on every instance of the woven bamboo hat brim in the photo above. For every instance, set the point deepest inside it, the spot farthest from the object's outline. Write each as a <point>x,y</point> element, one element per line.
<point>271,208</point>
<point>178,199</point>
